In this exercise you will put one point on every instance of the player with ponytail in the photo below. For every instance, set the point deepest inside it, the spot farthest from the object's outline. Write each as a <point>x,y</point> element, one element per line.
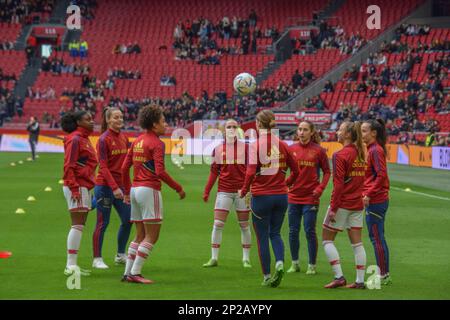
<point>304,195</point>
<point>80,162</point>
<point>376,192</point>
<point>346,206</point>
<point>112,148</point>
<point>269,159</point>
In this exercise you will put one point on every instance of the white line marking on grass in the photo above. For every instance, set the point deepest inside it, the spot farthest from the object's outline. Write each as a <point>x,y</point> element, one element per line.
<point>422,194</point>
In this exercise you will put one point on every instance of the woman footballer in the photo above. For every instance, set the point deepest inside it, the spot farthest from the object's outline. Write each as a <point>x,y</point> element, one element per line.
<point>269,159</point>
<point>304,195</point>
<point>345,210</point>
<point>229,164</point>
<point>112,148</point>
<point>376,192</point>
<point>146,155</point>
<point>80,162</point>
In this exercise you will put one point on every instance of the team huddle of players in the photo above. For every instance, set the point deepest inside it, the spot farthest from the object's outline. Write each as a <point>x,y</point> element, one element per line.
<point>360,183</point>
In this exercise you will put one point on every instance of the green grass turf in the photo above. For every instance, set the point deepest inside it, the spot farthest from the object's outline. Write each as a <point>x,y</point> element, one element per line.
<point>417,233</point>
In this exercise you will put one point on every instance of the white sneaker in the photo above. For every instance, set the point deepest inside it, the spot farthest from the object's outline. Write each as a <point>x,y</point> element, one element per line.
<point>99,264</point>
<point>73,269</point>
<point>121,258</point>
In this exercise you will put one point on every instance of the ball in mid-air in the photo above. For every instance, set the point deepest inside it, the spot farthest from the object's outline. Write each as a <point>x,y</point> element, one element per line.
<point>244,84</point>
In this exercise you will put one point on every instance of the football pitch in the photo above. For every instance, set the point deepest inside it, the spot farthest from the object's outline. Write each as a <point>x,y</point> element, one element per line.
<point>417,231</point>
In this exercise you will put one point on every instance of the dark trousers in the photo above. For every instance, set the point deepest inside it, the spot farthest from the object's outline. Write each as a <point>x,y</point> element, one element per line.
<point>33,144</point>
<point>268,215</point>
<point>375,217</point>
<point>309,214</point>
<point>105,200</point>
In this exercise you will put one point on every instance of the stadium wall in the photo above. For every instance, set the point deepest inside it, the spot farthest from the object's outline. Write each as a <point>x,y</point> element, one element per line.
<point>431,157</point>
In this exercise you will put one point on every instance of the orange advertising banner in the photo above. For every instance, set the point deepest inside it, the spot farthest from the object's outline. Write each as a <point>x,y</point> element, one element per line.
<point>420,156</point>
<point>331,147</point>
<point>392,153</point>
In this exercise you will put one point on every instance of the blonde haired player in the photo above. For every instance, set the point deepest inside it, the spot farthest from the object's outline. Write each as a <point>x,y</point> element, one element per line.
<point>229,165</point>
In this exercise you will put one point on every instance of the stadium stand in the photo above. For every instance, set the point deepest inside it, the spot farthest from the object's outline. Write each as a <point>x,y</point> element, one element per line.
<point>201,91</point>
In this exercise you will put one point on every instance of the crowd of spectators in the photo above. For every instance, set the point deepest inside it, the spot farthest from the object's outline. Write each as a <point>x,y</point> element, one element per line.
<point>10,105</point>
<point>79,48</point>
<point>167,81</point>
<point>329,37</point>
<point>4,77</point>
<point>130,48</point>
<point>413,30</point>
<point>48,93</point>
<point>19,11</point>
<point>196,40</point>
<point>57,66</point>
<point>6,45</point>
<point>121,73</point>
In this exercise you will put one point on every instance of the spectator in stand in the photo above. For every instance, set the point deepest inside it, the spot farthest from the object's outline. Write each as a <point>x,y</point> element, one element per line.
<point>328,87</point>
<point>296,79</point>
<point>83,49</point>
<point>74,49</point>
<point>252,18</point>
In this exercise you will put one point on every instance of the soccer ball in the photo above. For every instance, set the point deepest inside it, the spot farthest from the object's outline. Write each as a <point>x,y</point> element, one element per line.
<point>244,84</point>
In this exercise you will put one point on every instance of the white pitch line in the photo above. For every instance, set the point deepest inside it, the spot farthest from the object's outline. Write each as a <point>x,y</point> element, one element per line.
<point>422,194</point>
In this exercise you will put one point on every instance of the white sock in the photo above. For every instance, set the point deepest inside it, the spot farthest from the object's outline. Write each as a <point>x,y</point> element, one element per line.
<point>73,244</point>
<point>295,262</point>
<point>360,261</point>
<point>142,253</point>
<point>216,238</point>
<point>267,276</point>
<point>279,264</point>
<point>333,258</point>
<point>246,240</point>
<point>132,250</point>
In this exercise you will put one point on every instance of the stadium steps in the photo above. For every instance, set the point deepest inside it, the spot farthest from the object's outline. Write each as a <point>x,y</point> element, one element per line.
<point>28,77</point>
<point>271,67</point>
<point>21,41</point>
<point>332,8</point>
<point>59,12</point>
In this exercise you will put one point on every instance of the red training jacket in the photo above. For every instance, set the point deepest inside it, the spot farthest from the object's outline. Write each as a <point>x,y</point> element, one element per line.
<point>376,185</point>
<point>310,158</point>
<point>348,179</point>
<point>146,155</point>
<point>112,148</point>
<point>229,164</point>
<point>80,160</point>
<point>266,178</point>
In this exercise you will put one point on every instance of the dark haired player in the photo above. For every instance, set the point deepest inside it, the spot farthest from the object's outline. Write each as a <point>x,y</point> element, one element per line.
<point>80,161</point>
<point>146,155</point>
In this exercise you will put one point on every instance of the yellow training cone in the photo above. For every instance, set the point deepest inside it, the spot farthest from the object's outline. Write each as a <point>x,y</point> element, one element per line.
<point>48,189</point>
<point>29,159</point>
<point>20,162</point>
<point>61,181</point>
<point>20,211</point>
<point>31,198</point>
<point>13,164</point>
<point>408,190</point>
